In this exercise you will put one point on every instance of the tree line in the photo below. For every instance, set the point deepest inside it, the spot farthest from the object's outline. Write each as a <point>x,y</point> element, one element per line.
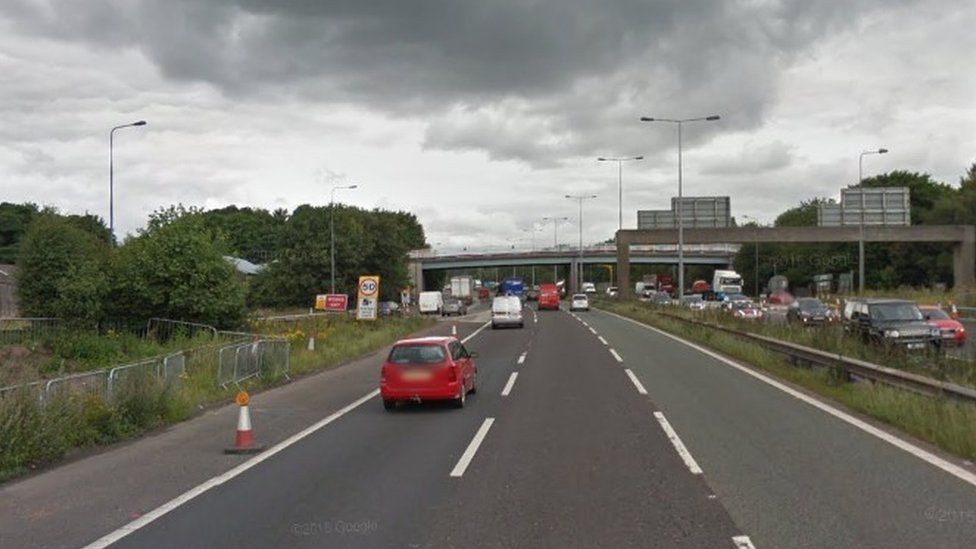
<point>177,267</point>
<point>888,265</point>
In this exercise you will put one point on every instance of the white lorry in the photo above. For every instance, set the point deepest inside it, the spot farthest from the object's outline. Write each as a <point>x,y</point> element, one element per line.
<point>728,282</point>
<point>462,287</point>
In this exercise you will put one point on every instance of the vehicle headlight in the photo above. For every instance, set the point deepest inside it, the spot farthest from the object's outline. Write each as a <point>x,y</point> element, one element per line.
<point>891,333</point>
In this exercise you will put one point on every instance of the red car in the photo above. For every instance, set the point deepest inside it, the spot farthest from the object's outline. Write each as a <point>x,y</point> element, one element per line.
<point>428,368</point>
<point>780,298</point>
<point>953,332</point>
<point>548,297</point>
<point>747,312</point>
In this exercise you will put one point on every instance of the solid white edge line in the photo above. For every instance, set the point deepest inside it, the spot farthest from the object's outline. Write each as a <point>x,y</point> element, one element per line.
<point>472,448</point>
<point>603,341</point>
<point>637,383</point>
<point>510,384</point>
<point>185,497</point>
<point>742,542</point>
<point>615,355</point>
<point>678,445</point>
<point>924,455</point>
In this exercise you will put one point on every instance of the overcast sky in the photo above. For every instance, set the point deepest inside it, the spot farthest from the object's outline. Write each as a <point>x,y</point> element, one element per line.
<point>479,116</point>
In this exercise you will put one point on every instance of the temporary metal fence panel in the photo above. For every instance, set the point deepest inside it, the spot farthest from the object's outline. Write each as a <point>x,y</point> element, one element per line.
<point>18,331</point>
<point>173,368</point>
<point>164,329</point>
<point>241,361</point>
<point>92,383</point>
<point>35,386</point>
<point>136,372</point>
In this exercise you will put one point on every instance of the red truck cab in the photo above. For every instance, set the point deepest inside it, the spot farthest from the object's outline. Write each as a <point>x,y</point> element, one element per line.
<point>548,297</point>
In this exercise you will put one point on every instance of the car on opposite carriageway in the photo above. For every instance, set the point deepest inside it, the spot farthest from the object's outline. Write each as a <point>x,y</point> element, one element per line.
<point>579,302</point>
<point>428,368</point>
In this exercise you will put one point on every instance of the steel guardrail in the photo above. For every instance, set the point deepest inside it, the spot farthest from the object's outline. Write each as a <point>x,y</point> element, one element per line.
<point>853,366</point>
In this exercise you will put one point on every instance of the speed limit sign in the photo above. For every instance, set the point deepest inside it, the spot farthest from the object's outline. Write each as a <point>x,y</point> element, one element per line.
<point>368,285</point>
<point>368,303</point>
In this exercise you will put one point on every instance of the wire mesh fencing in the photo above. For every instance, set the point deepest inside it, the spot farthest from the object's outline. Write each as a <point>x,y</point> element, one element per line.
<point>225,357</point>
<point>21,331</point>
<point>240,361</point>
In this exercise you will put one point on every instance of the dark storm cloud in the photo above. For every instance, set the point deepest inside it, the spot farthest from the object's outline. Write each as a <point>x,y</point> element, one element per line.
<point>532,80</point>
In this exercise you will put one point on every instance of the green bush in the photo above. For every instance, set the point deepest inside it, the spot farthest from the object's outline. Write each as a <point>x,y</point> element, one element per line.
<point>55,257</point>
<point>176,269</point>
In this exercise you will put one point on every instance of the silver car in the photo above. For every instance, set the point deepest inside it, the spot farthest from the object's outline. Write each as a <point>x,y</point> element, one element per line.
<point>454,307</point>
<point>580,302</point>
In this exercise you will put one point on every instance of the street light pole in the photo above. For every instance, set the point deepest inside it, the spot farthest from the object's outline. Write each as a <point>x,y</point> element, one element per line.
<point>580,198</point>
<point>860,240</point>
<point>756,275</point>
<point>111,176</point>
<point>620,184</point>
<point>332,230</point>
<point>681,231</point>
<point>555,240</point>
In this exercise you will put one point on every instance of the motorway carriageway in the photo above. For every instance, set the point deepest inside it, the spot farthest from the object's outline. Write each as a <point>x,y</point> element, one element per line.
<point>587,430</point>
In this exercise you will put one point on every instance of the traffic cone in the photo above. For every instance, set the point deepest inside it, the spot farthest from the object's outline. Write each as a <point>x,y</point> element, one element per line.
<point>454,330</point>
<point>244,440</point>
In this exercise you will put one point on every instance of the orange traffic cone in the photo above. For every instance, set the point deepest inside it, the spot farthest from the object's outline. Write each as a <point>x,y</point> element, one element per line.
<point>244,441</point>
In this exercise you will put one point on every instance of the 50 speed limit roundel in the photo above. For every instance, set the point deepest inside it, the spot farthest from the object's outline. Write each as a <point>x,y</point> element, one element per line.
<point>368,286</point>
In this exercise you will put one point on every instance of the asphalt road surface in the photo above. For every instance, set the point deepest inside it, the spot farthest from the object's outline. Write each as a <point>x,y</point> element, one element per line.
<point>587,430</point>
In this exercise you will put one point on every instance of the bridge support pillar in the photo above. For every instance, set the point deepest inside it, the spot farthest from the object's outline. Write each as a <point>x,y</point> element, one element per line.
<point>624,289</point>
<point>574,282</point>
<point>415,272</point>
<point>964,261</point>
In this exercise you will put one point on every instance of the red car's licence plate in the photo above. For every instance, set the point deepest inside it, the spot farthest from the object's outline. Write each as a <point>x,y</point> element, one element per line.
<point>415,375</point>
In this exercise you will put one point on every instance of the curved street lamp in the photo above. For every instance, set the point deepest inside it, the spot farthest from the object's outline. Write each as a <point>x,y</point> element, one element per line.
<point>111,175</point>
<point>681,232</point>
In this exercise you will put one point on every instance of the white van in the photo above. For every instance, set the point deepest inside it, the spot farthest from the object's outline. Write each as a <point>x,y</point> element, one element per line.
<point>506,310</point>
<point>431,303</point>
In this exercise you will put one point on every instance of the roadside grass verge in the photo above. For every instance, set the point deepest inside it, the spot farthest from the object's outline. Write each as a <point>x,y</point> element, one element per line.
<point>34,434</point>
<point>944,423</point>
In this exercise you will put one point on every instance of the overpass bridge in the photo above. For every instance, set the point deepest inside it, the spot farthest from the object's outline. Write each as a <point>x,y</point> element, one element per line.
<point>962,238</point>
<point>426,261</point>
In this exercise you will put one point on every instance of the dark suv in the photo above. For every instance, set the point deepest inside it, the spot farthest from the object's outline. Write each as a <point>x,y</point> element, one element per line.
<point>891,322</point>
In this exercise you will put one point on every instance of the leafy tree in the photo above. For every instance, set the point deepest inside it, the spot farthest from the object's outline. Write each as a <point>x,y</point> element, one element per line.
<point>14,219</point>
<point>175,269</point>
<point>251,234</point>
<point>53,252</point>
<point>367,242</point>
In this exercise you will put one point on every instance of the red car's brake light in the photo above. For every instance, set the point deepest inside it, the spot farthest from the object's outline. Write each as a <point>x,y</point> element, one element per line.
<point>451,372</point>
